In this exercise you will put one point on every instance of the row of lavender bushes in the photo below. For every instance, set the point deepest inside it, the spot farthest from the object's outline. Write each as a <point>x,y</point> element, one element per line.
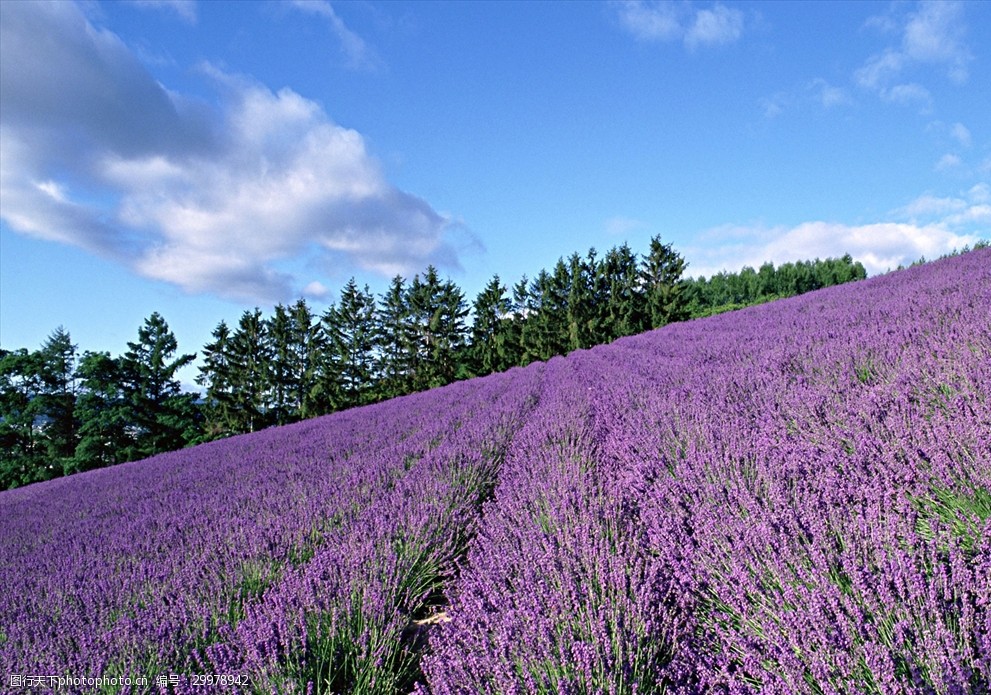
<point>793,498</point>
<point>231,558</point>
<point>782,500</point>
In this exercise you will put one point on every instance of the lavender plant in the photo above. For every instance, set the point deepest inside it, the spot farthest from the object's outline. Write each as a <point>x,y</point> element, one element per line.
<point>792,498</point>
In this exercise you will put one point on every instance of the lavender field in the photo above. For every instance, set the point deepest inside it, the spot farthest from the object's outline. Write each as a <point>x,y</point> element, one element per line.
<point>791,498</point>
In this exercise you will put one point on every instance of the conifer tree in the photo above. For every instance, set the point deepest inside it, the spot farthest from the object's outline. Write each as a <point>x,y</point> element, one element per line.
<point>57,400</point>
<point>511,349</point>
<point>164,417</point>
<point>490,329</point>
<point>217,376</point>
<point>308,345</point>
<point>447,326</point>
<point>105,414</point>
<point>622,307</point>
<point>22,449</point>
<point>280,334</point>
<point>251,356</point>
<point>582,318</point>
<point>661,274</point>
<point>395,341</point>
<point>350,330</point>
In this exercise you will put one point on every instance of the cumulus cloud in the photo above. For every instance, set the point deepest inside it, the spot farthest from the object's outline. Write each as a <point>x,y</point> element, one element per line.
<point>669,21</point>
<point>215,198</point>
<point>928,226</point>
<point>933,36</point>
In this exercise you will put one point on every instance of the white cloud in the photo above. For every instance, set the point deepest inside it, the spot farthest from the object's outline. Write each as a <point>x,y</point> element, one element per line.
<point>211,199</point>
<point>716,26</point>
<point>927,206</point>
<point>969,210</point>
<point>948,162</point>
<point>880,247</point>
<point>185,9</point>
<point>817,92</point>
<point>669,21</point>
<point>359,54</point>
<point>961,134</point>
<point>932,36</point>
<point>927,226</point>
<point>828,95</point>
<point>316,290</point>
<point>980,193</point>
<point>907,94</point>
<point>879,69</point>
<point>935,35</point>
<point>654,22</point>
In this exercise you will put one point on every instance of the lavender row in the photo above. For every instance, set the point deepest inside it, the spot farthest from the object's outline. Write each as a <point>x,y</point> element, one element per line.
<point>351,619</point>
<point>801,494</point>
<point>557,595</point>
<point>792,498</point>
<point>134,570</point>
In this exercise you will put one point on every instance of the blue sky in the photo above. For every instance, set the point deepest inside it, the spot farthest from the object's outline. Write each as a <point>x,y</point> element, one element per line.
<point>201,158</point>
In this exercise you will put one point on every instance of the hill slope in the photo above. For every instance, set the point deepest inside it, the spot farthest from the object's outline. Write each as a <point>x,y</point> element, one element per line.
<point>794,497</point>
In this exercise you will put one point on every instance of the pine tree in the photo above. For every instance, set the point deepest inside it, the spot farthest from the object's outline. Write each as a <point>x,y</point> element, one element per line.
<point>511,349</point>
<point>280,334</point>
<point>582,312</point>
<point>22,449</point>
<point>350,330</point>
<point>423,299</point>
<point>661,274</point>
<point>250,378</point>
<point>534,333</point>
<point>57,400</point>
<point>395,341</point>
<point>622,307</point>
<point>308,345</point>
<point>447,327</point>
<point>545,333</point>
<point>489,329</point>
<point>105,431</point>
<point>217,376</point>
<point>164,416</point>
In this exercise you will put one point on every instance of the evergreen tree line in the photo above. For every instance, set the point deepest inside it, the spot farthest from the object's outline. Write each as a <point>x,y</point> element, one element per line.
<point>61,412</point>
<point>726,291</point>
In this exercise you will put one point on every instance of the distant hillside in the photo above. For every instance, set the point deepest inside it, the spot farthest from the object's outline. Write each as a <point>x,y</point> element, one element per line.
<point>64,411</point>
<point>790,498</point>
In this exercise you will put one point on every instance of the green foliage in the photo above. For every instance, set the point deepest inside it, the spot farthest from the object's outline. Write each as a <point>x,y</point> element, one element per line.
<point>59,414</point>
<point>729,291</point>
<point>217,376</point>
<point>104,413</point>
<point>661,274</point>
<point>962,514</point>
<point>491,330</point>
<point>394,339</point>
<point>250,376</point>
<point>349,361</point>
<point>438,311</point>
<point>164,418</point>
<point>22,449</point>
